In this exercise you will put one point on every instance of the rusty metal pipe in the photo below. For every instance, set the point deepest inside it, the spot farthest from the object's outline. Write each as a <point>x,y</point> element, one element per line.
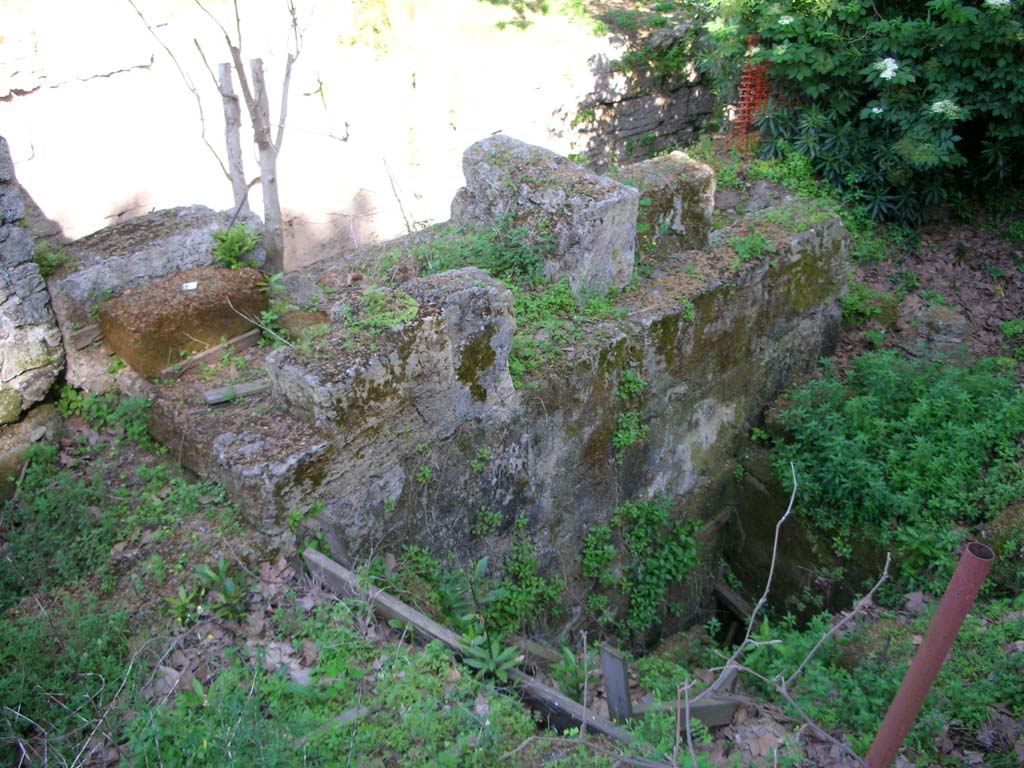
<point>974,565</point>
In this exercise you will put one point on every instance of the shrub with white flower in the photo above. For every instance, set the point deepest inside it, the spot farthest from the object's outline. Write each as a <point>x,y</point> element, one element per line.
<point>946,108</point>
<point>887,100</point>
<point>887,68</point>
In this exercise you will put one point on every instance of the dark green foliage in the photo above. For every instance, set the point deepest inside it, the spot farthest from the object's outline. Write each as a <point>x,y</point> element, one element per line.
<point>519,600</point>
<point>849,684</point>
<point>109,411</point>
<point>887,100</point>
<point>504,250</point>
<point>60,669</point>
<point>905,450</point>
<point>233,245</point>
<point>655,552</point>
<point>51,259</point>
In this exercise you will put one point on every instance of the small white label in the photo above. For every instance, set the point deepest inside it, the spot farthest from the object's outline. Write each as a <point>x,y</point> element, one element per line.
<point>190,286</point>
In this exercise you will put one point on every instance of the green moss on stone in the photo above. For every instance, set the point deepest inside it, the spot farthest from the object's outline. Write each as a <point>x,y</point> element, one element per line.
<point>476,358</point>
<point>10,406</point>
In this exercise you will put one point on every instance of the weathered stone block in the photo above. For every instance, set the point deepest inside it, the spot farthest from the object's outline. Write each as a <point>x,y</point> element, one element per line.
<point>128,255</point>
<point>677,197</point>
<point>31,353</point>
<point>448,364</point>
<point>150,328</point>
<point>591,218</point>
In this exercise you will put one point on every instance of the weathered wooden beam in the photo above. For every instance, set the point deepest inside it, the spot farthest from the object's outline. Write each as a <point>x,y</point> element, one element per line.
<point>731,600</point>
<point>235,391</point>
<point>712,711</point>
<point>536,653</point>
<point>560,711</point>
<point>616,683</point>
<point>238,343</point>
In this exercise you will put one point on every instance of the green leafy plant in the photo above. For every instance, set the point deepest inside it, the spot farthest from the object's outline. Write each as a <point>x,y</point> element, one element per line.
<point>865,468</point>
<point>423,474</point>
<point>630,386</point>
<point>483,456</point>
<point>384,308</point>
<point>224,593</point>
<point>491,657</point>
<point>572,673</point>
<point>109,411</point>
<point>629,430</point>
<point>862,303</point>
<point>51,259</point>
<point>752,246</point>
<point>655,552</point>
<point>523,596</point>
<point>232,245</point>
<point>486,522</point>
<point>689,310</point>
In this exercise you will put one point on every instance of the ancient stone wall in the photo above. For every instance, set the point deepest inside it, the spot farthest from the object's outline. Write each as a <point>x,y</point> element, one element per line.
<point>404,439</point>
<point>31,354</point>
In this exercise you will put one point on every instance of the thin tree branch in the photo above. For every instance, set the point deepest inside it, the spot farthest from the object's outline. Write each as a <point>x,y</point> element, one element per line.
<point>733,661</point>
<point>206,64</point>
<point>258,324</point>
<point>292,58</point>
<point>188,84</point>
<point>861,604</point>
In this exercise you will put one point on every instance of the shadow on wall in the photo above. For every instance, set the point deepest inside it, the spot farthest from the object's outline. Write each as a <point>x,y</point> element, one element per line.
<point>649,101</point>
<point>44,230</point>
<point>308,241</point>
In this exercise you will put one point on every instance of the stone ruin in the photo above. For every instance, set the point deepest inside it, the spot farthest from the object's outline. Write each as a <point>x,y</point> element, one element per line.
<point>405,439</point>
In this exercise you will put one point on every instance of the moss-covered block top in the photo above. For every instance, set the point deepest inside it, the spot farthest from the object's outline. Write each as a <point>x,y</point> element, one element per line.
<point>677,198</point>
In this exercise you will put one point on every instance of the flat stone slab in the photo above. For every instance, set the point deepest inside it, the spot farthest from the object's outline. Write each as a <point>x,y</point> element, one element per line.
<point>124,256</point>
<point>152,327</point>
<point>591,219</point>
<point>677,197</point>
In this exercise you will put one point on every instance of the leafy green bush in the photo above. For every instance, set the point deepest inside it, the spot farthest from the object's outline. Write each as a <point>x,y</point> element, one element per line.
<point>233,245</point>
<point>849,684</point>
<point>51,259</point>
<point>109,411</point>
<point>886,99</point>
<point>656,553</point>
<point>905,450</point>
<point>504,250</point>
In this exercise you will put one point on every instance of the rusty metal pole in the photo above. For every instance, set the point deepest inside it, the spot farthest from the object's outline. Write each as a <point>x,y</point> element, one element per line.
<point>975,563</point>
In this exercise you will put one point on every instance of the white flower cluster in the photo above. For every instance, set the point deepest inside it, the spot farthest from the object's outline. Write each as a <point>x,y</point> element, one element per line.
<point>785,20</point>
<point>876,110</point>
<point>887,68</point>
<point>996,3</point>
<point>946,108</point>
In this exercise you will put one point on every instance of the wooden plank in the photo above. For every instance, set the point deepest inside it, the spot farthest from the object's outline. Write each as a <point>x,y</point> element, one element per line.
<point>536,653</point>
<point>238,343</point>
<point>235,391</point>
<point>344,581</point>
<point>616,683</point>
<point>83,337</point>
<point>712,711</point>
<point>561,711</point>
<point>731,600</point>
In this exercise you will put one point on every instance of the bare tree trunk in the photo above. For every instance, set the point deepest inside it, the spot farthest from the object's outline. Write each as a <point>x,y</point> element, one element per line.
<point>232,137</point>
<point>273,229</point>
